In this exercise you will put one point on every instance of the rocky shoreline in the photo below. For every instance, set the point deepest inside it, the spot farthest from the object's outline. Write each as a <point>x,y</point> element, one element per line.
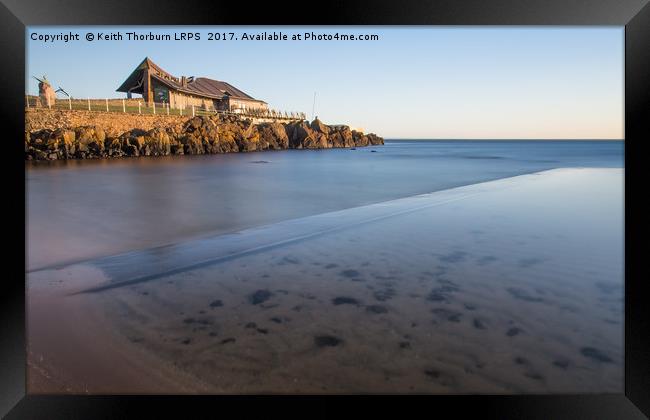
<point>179,136</point>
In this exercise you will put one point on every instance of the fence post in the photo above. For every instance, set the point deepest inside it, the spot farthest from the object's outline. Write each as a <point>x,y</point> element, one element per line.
<point>154,108</point>
<point>27,100</point>
<point>192,110</point>
<point>139,110</point>
<point>123,106</point>
<point>88,104</point>
<point>106,104</point>
<point>70,103</point>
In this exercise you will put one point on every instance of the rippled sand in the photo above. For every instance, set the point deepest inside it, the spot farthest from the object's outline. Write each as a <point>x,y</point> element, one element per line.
<point>510,286</point>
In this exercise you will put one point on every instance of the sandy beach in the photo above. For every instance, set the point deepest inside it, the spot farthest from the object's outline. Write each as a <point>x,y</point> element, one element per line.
<point>508,286</point>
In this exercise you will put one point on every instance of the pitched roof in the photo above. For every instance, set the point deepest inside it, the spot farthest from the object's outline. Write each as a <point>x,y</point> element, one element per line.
<point>201,86</point>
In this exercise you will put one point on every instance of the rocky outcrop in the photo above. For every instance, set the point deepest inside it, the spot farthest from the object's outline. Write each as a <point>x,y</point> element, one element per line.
<point>193,136</point>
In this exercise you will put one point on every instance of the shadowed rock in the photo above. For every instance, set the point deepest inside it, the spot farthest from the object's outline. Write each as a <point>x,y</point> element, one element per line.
<point>327,341</point>
<point>514,331</point>
<point>350,273</point>
<point>376,309</point>
<point>478,324</point>
<point>259,296</point>
<point>449,315</point>
<point>344,300</point>
<point>216,303</point>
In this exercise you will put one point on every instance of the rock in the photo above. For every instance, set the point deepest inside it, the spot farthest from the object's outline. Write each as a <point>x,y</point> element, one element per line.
<point>319,127</point>
<point>181,135</point>
<point>260,296</point>
<point>273,136</point>
<point>360,139</point>
<point>327,341</point>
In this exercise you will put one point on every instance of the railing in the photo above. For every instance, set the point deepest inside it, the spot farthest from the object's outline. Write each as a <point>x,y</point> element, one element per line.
<point>134,106</point>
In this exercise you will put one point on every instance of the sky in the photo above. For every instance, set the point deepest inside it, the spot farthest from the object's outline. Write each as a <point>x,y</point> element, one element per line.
<point>413,82</point>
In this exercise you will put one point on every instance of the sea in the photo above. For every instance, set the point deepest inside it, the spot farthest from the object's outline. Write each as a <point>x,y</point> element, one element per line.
<point>435,267</point>
<point>83,209</point>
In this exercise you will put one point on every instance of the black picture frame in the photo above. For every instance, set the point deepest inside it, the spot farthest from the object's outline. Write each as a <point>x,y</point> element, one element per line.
<point>15,15</point>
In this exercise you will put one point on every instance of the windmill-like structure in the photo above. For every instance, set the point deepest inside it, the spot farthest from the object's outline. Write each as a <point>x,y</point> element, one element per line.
<point>46,92</point>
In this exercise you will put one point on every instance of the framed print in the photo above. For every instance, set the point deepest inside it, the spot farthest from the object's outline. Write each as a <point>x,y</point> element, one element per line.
<point>239,206</point>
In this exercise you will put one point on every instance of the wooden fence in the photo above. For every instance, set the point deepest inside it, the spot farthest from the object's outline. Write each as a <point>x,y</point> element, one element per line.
<point>134,106</point>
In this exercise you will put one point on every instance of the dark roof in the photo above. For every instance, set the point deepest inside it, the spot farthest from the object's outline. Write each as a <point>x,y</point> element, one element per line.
<point>201,86</point>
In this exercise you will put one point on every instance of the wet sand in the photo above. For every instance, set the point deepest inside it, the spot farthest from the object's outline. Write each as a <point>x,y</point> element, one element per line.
<point>510,286</point>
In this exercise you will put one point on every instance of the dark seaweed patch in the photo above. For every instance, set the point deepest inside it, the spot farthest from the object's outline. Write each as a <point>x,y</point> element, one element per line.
<point>262,330</point>
<point>276,320</point>
<point>562,364</point>
<point>216,303</point>
<point>595,354</point>
<point>523,295</point>
<point>521,360</point>
<point>213,334</point>
<point>384,294</point>
<point>486,260</point>
<point>197,321</point>
<point>186,341</point>
<point>344,300</point>
<point>228,340</point>
<point>448,314</point>
<point>514,331</point>
<point>251,325</point>
<point>328,266</point>
<point>376,309</point>
<point>454,257</point>
<point>327,341</point>
<point>349,273</point>
<point>437,296</point>
<point>478,324</point>
<point>259,297</point>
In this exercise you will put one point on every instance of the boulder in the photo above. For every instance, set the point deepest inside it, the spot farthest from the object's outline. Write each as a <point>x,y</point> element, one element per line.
<point>273,136</point>
<point>319,127</point>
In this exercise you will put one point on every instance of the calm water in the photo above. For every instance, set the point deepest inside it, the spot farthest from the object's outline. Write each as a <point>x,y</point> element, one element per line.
<point>84,209</point>
<point>507,286</point>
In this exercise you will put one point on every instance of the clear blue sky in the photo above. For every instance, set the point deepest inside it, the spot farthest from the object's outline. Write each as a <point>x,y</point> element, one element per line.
<point>414,82</point>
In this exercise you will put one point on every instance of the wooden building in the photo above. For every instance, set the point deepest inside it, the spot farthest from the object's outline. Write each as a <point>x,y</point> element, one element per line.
<point>156,85</point>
